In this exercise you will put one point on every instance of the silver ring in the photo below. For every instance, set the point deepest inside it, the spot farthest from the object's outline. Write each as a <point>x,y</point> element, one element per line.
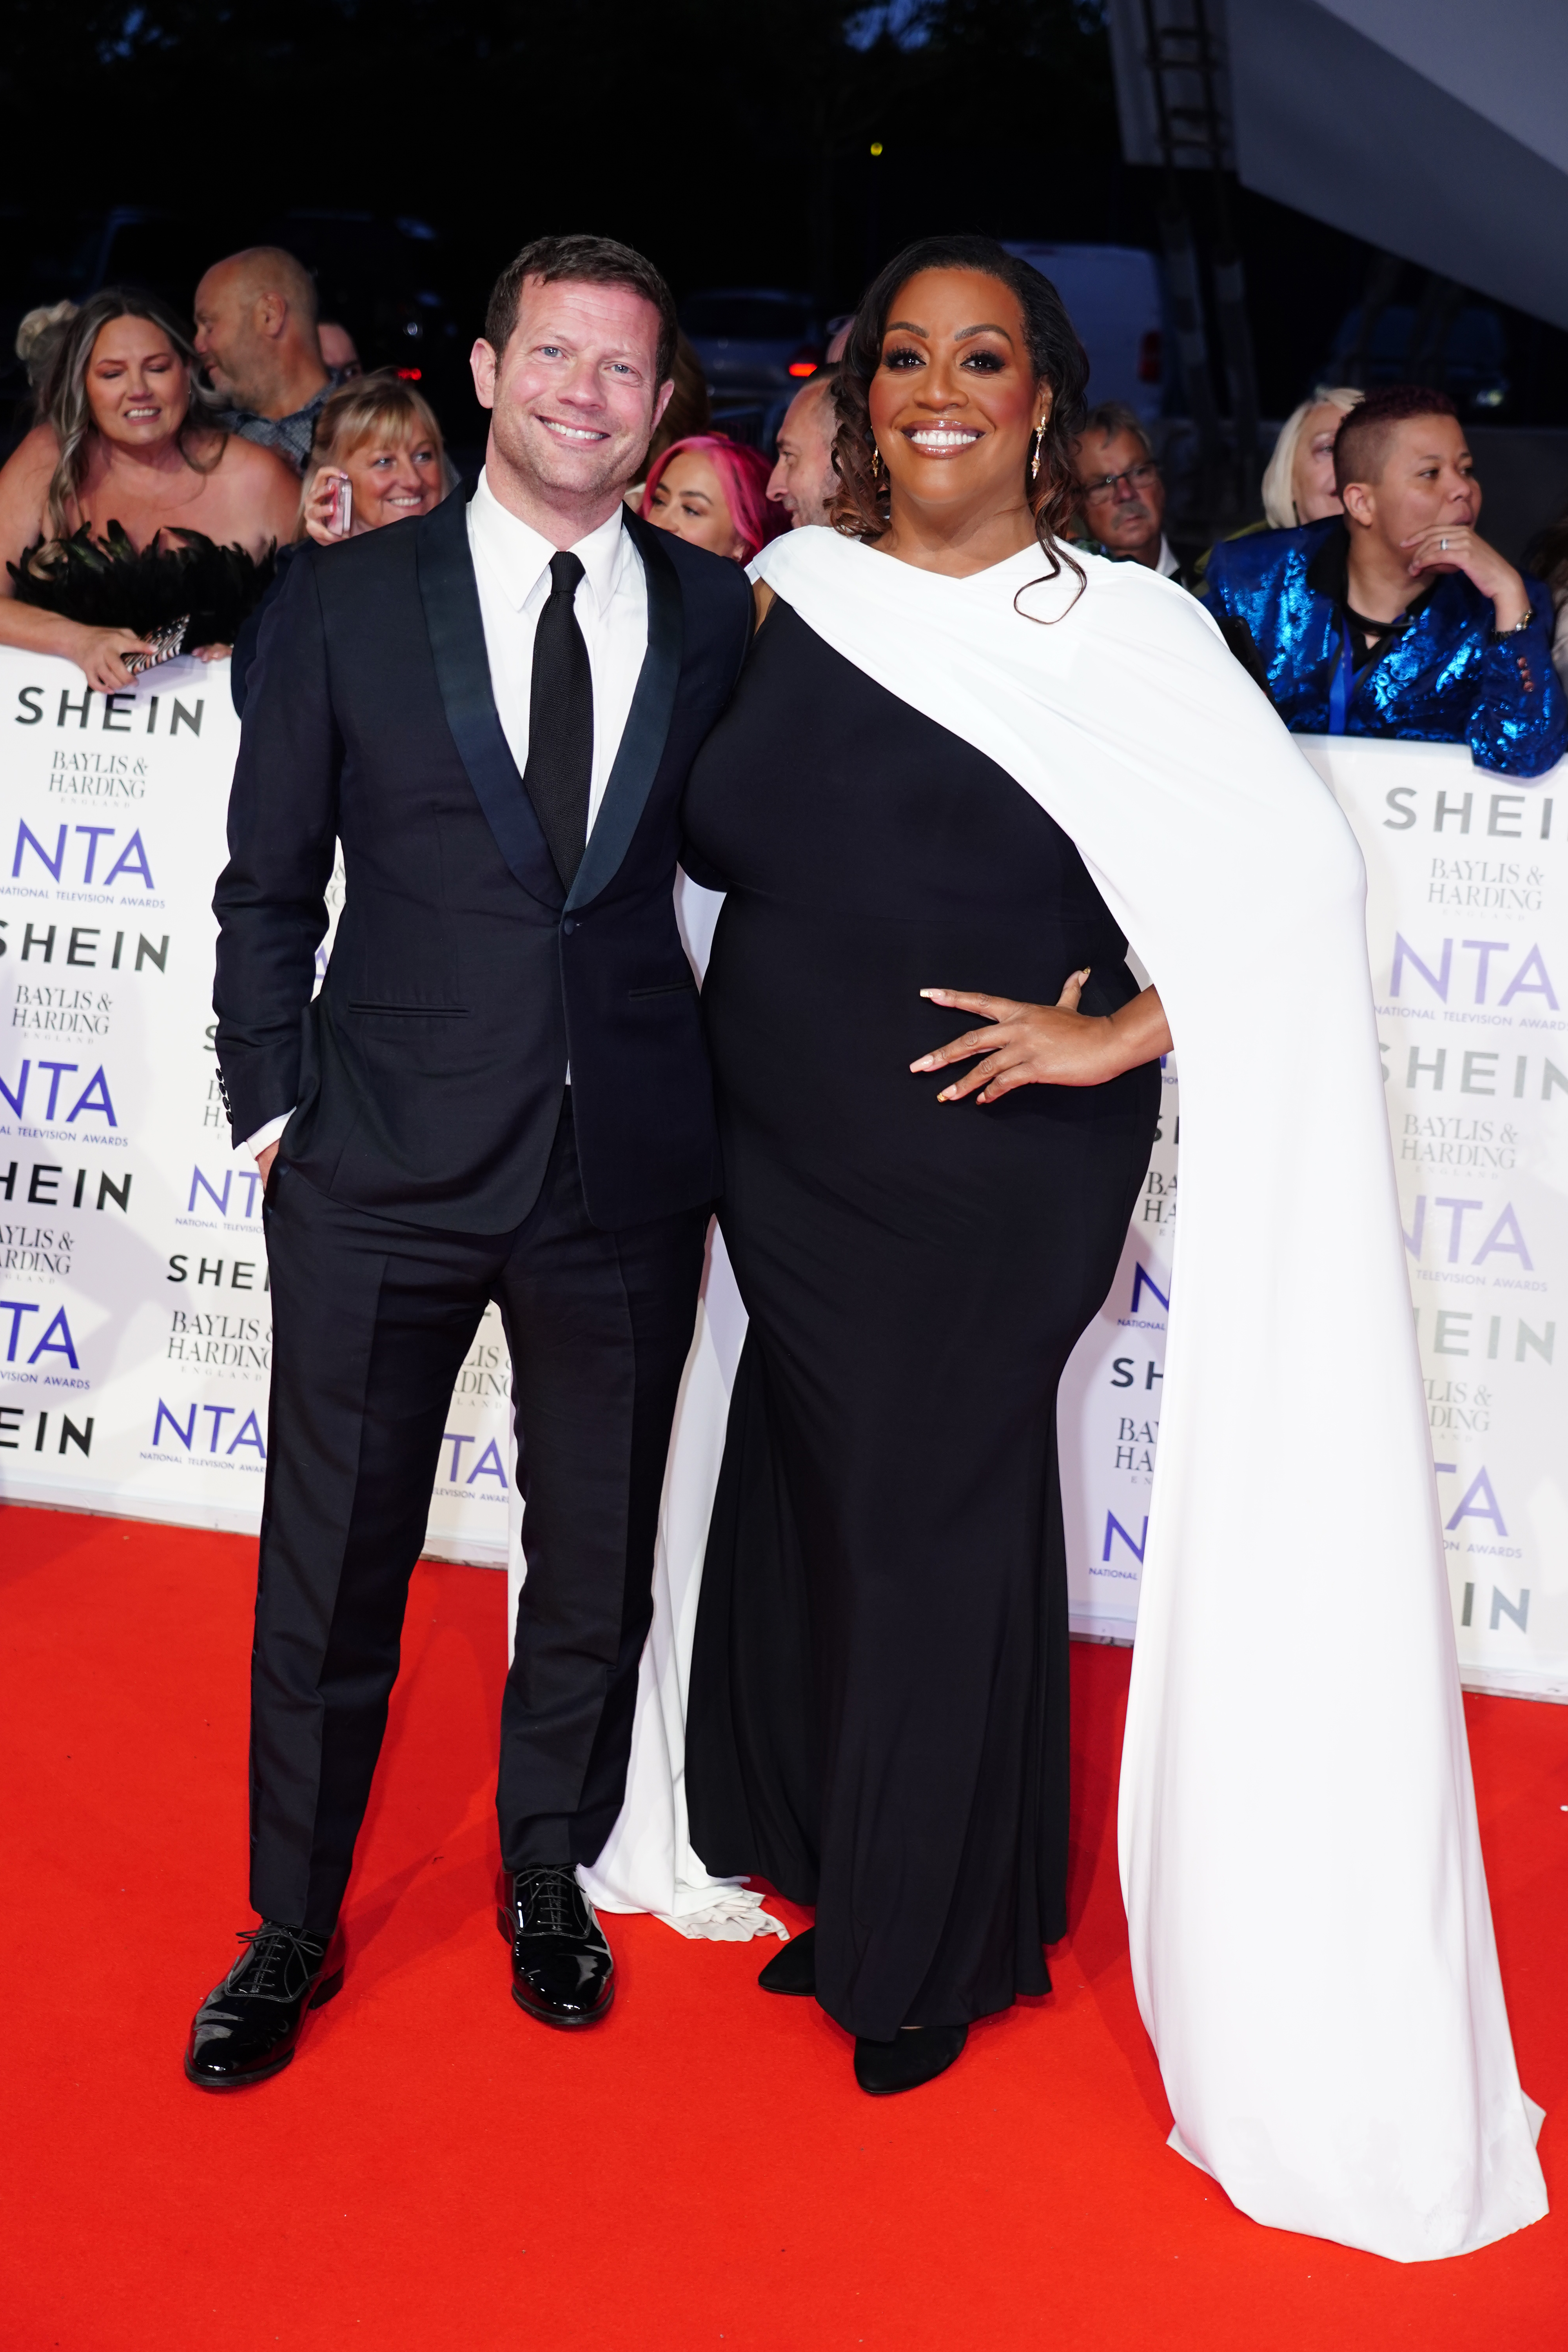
<point>1443,546</point>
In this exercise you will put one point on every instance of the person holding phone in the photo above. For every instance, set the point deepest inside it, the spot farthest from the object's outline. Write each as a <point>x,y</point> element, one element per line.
<point>376,456</point>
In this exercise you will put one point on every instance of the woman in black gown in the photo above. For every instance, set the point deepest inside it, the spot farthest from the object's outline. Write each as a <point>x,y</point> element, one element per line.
<point>878,1709</point>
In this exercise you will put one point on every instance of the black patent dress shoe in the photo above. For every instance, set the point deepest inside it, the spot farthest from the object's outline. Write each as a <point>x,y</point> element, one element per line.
<point>916,2056</point>
<point>562,1968</point>
<point>794,1969</point>
<point>247,2026</point>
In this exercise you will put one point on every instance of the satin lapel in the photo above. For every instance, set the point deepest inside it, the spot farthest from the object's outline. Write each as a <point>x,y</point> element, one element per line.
<point>647,722</point>
<point>456,632</point>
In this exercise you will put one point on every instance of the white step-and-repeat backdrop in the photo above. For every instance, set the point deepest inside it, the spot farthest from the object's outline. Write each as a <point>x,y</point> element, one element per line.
<point>134,1323</point>
<point>1467,937</point>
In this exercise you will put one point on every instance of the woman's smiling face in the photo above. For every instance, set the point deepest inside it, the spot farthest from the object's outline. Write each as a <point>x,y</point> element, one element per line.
<point>138,388</point>
<point>393,480</point>
<point>954,403</point>
<point>690,501</point>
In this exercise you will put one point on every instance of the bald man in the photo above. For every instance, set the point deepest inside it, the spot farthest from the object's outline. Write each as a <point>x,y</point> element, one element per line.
<point>802,481</point>
<point>256,329</point>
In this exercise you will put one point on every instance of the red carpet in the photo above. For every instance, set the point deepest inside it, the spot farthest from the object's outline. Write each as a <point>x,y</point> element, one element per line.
<point>437,2171</point>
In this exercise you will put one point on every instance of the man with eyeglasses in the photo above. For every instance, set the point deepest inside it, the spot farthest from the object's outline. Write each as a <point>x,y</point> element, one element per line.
<point>1121,498</point>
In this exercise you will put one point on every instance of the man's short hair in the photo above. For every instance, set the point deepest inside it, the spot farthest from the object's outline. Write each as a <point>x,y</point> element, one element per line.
<point>1360,445</point>
<point>268,269</point>
<point>589,261</point>
<point>1113,417</point>
<point>825,375</point>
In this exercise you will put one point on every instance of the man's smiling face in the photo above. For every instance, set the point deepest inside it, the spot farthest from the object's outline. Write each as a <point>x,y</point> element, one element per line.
<point>575,396</point>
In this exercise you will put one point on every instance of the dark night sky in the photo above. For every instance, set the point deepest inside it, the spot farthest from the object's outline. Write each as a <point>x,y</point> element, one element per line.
<point>732,144</point>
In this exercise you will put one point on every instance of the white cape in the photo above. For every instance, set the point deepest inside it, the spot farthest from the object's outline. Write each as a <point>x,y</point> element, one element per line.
<point>1311,1936</point>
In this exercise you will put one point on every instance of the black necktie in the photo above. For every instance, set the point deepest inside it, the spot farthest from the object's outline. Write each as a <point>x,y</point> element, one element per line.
<point>561,723</point>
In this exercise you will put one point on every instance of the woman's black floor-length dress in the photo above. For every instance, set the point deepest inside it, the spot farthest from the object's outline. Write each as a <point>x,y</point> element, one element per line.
<point>879,1706</point>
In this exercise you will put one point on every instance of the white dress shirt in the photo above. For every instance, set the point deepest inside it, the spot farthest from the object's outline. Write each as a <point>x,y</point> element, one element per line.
<point>511,568</point>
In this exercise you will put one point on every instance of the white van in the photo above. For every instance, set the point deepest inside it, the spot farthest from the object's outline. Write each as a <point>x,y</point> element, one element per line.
<point>1114,297</point>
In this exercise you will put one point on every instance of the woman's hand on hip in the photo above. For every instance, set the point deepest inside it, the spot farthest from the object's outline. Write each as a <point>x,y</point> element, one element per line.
<point>1046,1045</point>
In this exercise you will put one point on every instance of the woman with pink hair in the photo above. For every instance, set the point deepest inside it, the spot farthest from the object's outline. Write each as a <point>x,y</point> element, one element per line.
<point>712,491</point>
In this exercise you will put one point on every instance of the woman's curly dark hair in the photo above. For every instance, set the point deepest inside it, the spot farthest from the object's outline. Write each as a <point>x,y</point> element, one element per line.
<point>860,508</point>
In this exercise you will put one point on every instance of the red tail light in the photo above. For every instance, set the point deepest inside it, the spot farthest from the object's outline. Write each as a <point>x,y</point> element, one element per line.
<point>410,375</point>
<point>1150,358</point>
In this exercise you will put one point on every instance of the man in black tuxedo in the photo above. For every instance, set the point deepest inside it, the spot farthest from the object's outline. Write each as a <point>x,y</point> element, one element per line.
<point>500,1092</point>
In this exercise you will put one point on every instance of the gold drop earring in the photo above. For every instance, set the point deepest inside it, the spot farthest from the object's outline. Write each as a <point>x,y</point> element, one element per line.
<point>1034,451</point>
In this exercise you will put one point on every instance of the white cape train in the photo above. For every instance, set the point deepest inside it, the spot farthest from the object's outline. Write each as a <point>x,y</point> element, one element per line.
<point>1311,1936</point>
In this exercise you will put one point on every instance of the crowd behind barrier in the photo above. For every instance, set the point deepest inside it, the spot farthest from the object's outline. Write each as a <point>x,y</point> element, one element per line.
<point>509,1092</point>
<point>135,1321</point>
<point>129,517</point>
<point>1396,617</point>
<point>170,477</point>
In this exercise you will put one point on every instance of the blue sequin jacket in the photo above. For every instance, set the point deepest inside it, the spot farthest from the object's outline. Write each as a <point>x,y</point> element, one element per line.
<point>1445,677</point>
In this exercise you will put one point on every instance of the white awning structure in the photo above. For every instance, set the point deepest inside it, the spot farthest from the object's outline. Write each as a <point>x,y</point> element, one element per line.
<point>1436,129</point>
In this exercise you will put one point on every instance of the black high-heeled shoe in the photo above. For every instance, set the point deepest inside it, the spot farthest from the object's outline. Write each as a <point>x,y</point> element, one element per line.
<point>794,1969</point>
<point>917,2055</point>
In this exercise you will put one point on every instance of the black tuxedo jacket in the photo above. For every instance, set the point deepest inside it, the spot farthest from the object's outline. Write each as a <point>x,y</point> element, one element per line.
<point>426,1077</point>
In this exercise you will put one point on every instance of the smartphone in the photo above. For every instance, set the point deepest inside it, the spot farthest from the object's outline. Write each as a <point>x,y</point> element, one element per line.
<point>340,522</point>
<point>164,646</point>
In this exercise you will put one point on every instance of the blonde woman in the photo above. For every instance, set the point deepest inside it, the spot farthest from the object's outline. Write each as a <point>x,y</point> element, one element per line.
<point>378,435</point>
<point>376,458</point>
<point>1298,479</point>
<point>127,506</point>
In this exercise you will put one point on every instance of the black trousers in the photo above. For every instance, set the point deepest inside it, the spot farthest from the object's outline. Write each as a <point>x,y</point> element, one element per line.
<point>370,1322</point>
